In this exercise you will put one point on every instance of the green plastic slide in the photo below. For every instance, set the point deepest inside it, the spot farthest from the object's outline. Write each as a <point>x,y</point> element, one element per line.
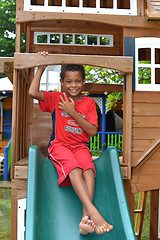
<point>54,213</point>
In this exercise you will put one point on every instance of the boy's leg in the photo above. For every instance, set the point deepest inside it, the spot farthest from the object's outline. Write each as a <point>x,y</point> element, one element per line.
<point>80,187</point>
<point>86,222</point>
<point>89,178</point>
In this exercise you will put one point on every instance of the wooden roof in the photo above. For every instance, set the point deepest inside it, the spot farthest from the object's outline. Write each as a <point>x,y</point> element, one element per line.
<point>153,10</point>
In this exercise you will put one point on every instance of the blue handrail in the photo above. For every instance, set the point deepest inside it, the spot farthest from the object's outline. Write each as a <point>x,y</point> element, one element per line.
<point>111,139</point>
<point>7,163</point>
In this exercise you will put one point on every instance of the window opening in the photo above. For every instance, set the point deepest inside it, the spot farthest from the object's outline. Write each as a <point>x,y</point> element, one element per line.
<point>121,4</point>
<point>79,39</point>
<point>117,7</point>
<point>55,3</point>
<point>157,55</point>
<point>144,55</point>
<point>67,39</point>
<point>157,76</point>
<point>106,4</point>
<point>42,39</point>
<point>89,4</point>
<point>147,64</point>
<point>55,38</point>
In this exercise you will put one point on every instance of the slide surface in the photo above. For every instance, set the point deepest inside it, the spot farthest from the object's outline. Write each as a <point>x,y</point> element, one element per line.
<point>54,213</point>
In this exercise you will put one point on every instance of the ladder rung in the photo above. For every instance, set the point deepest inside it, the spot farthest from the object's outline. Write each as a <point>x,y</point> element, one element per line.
<point>138,211</point>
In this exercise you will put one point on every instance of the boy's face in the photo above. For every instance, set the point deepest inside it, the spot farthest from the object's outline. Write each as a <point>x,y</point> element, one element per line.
<point>73,84</point>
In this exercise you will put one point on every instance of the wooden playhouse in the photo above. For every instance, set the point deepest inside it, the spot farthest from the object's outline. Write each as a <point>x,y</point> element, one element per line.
<point>127,38</point>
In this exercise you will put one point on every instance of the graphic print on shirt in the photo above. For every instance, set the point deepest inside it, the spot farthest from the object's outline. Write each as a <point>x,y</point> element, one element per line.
<point>72,126</point>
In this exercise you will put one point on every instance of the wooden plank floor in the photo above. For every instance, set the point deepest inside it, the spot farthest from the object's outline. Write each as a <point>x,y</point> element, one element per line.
<point>5,184</point>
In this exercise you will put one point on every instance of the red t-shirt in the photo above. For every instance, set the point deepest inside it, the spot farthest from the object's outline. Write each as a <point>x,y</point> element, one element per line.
<point>66,128</point>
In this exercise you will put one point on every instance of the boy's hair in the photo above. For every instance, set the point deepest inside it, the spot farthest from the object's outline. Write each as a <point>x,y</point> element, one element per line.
<point>73,68</point>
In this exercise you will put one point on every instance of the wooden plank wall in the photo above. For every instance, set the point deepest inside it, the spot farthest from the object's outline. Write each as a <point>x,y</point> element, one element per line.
<point>78,27</point>
<point>146,121</point>
<point>41,128</point>
<point>146,128</point>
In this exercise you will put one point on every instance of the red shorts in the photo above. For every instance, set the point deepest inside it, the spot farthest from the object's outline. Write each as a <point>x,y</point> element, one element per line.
<point>66,158</point>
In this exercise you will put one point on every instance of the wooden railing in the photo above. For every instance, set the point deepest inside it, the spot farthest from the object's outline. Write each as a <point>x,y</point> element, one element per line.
<point>150,150</point>
<point>112,139</point>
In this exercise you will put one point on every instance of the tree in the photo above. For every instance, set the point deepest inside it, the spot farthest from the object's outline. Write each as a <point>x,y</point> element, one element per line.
<point>144,73</point>
<point>108,76</point>
<point>8,28</point>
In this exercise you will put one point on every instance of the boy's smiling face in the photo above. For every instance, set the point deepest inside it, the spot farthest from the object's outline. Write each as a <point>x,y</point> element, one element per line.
<point>73,84</point>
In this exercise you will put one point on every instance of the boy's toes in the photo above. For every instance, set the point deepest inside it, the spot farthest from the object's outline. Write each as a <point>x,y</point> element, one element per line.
<point>103,229</point>
<point>86,226</point>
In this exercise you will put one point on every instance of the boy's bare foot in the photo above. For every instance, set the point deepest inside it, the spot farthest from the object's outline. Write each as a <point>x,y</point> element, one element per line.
<point>101,225</point>
<point>86,226</point>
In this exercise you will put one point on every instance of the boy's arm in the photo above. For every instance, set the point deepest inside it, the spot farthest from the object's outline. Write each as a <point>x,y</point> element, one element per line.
<point>69,107</point>
<point>35,84</point>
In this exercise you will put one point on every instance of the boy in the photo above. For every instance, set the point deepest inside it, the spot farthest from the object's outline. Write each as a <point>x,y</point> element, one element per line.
<point>76,121</point>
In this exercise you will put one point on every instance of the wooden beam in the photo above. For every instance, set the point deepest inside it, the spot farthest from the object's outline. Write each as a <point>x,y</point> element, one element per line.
<point>141,183</point>
<point>80,50</point>
<point>4,60</point>
<point>8,70</point>
<point>139,32</point>
<point>28,60</point>
<point>123,21</point>
<point>95,88</point>
<point>74,27</point>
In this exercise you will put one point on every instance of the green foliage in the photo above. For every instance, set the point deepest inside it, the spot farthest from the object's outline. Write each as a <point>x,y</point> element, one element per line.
<point>67,38</point>
<point>79,39</point>
<point>145,229</point>
<point>144,73</point>
<point>108,76</point>
<point>8,28</point>
<point>102,75</point>
<point>42,39</point>
<point>55,38</point>
<point>112,99</point>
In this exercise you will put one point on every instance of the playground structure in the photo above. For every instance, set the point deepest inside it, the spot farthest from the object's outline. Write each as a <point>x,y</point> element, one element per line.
<point>5,125</point>
<point>130,29</point>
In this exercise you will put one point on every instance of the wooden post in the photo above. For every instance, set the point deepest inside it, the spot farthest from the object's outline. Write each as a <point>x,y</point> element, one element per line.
<point>128,123</point>
<point>154,205</point>
<point>130,198</point>
<point>14,122</point>
<point>18,38</point>
<point>140,7</point>
<point>14,194</point>
<point>28,38</point>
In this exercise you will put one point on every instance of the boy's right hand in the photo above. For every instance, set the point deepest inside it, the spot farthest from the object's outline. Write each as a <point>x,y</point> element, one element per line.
<point>44,53</point>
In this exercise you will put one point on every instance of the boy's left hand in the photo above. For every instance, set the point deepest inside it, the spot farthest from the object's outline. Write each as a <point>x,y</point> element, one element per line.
<point>66,105</point>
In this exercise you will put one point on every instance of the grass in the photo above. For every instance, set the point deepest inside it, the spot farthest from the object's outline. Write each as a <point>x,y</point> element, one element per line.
<point>5,214</point>
<point>145,230</point>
